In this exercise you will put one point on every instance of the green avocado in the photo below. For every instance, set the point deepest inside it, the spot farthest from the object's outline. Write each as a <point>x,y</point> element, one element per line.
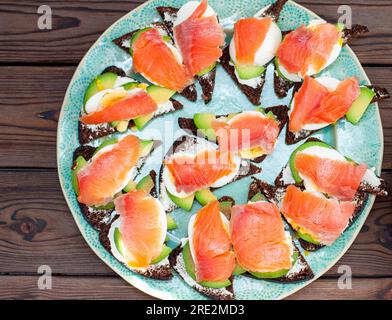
<point>304,146</point>
<point>276,274</point>
<point>184,203</point>
<point>204,196</point>
<point>167,38</point>
<point>108,206</point>
<point>146,184</point>
<point>171,223</point>
<point>276,63</point>
<point>238,270</point>
<point>141,121</point>
<point>360,105</point>
<point>121,249</point>
<point>130,85</point>
<point>258,197</point>
<point>105,144</point>
<point>147,147</point>
<point>247,72</point>
<point>159,94</point>
<point>203,122</point>
<point>102,82</point>
<point>130,186</point>
<point>206,70</point>
<point>306,237</point>
<point>79,163</point>
<point>190,269</point>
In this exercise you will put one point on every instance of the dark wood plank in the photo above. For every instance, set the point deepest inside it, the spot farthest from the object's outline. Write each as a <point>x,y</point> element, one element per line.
<point>114,288</point>
<point>28,123</point>
<point>77,24</point>
<point>37,228</point>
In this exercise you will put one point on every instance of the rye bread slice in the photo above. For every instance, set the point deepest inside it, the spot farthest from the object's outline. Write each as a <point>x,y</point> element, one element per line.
<point>356,31</point>
<point>207,81</point>
<point>253,94</point>
<point>274,10</point>
<point>281,113</point>
<point>186,143</point>
<point>177,263</point>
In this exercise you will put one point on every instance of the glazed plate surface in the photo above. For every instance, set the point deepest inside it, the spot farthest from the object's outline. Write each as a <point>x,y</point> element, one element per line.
<point>363,142</point>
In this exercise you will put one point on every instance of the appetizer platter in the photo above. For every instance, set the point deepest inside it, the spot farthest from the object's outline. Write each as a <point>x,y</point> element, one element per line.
<point>221,149</point>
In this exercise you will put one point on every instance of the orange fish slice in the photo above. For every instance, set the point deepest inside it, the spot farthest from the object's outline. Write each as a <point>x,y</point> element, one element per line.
<point>214,260</point>
<point>323,219</point>
<point>249,34</point>
<point>153,58</point>
<point>258,237</point>
<point>142,228</point>
<point>193,173</point>
<point>245,131</point>
<point>104,176</point>
<point>199,40</point>
<point>136,104</point>
<point>340,179</point>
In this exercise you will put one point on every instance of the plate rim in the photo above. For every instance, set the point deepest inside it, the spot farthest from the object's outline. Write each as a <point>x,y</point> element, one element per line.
<point>140,285</point>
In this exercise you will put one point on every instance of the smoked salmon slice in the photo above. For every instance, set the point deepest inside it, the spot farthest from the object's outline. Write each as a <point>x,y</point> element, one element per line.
<point>337,178</point>
<point>308,48</point>
<point>199,39</point>
<point>247,130</point>
<point>214,260</point>
<point>143,227</point>
<point>259,239</point>
<point>315,104</point>
<point>153,58</point>
<point>192,173</point>
<point>107,171</point>
<point>136,104</point>
<point>323,219</point>
<point>249,34</point>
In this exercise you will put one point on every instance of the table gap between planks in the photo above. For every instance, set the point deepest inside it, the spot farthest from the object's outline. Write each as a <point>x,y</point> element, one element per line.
<point>36,226</point>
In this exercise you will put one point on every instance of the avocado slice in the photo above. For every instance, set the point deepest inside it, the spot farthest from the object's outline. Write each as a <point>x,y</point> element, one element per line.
<point>167,38</point>
<point>360,105</point>
<point>147,146</point>
<point>206,70</point>
<point>203,122</point>
<point>184,203</point>
<point>306,237</point>
<point>164,254</point>
<point>276,274</point>
<point>340,26</point>
<point>238,270</point>
<point>247,72</point>
<point>105,144</point>
<point>190,269</point>
<point>102,82</point>
<point>204,196</point>
<point>131,85</point>
<point>146,184</point>
<point>79,163</point>
<point>277,68</point>
<point>304,146</point>
<point>171,223</point>
<point>160,94</point>
<point>130,186</point>
<point>108,206</point>
<point>141,121</point>
<point>258,197</point>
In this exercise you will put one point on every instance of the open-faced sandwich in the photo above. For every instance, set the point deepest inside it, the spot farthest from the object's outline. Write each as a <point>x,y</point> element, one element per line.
<point>254,45</point>
<point>307,50</point>
<point>172,56</point>
<point>250,134</point>
<point>320,192</point>
<point>322,101</point>
<point>192,167</point>
<point>114,102</point>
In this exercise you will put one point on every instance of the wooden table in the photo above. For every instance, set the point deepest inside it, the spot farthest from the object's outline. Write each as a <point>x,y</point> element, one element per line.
<point>36,226</point>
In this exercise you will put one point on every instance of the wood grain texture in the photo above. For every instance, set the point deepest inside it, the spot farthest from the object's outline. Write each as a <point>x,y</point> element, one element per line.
<point>77,24</point>
<point>114,288</point>
<point>37,228</point>
<point>28,123</point>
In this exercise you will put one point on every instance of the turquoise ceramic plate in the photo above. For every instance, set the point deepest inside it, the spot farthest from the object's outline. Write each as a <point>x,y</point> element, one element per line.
<point>363,142</point>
